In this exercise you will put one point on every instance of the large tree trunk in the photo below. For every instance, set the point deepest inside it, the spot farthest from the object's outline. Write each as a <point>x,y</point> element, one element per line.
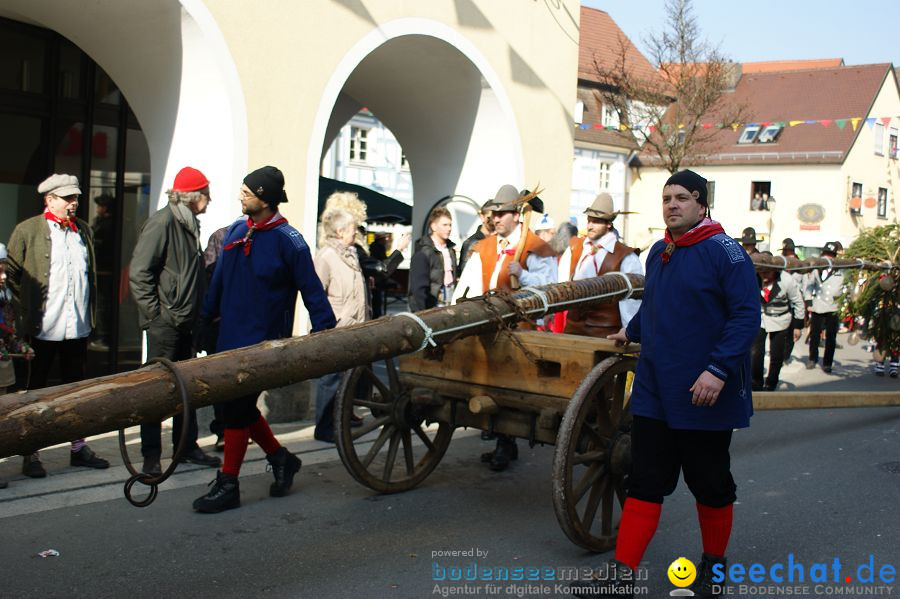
<point>36,419</point>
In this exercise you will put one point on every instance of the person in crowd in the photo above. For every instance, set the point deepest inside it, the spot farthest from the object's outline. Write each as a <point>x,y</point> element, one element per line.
<point>340,273</point>
<point>748,240</point>
<point>485,229</point>
<point>822,288</point>
<point>698,318</point>
<point>564,234</point>
<point>432,271</point>
<point>167,281</point>
<point>789,250</point>
<point>53,275</point>
<point>206,337</point>
<point>11,345</point>
<point>545,228</point>
<point>379,267</point>
<point>491,266</point>
<point>598,253</point>
<point>264,263</point>
<point>781,302</point>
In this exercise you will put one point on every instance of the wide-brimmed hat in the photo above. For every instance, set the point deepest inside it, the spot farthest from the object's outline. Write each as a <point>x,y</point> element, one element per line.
<point>60,185</point>
<point>748,236</point>
<point>788,244</point>
<point>830,248</point>
<point>506,199</point>
<point>603,207</point>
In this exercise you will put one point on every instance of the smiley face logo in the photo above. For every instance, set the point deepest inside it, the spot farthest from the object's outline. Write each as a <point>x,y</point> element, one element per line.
<point>682,572</point>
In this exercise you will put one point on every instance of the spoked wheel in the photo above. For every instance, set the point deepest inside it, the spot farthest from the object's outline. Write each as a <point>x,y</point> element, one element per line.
<point>593,456</point>
<point>395,448</point>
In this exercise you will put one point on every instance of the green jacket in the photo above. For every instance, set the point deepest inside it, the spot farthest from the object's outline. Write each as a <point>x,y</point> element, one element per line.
<point>28,270</point>
<point>167,273</point>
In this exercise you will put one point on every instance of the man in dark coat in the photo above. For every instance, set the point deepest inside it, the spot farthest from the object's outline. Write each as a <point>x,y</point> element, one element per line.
<point>485,229</point>
<point>432,271</point>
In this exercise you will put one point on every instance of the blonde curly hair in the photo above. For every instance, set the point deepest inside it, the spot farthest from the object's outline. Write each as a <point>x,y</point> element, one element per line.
<point>341,209</point>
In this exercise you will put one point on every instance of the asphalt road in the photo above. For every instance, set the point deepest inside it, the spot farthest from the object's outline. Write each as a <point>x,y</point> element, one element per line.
<point>817,484</point>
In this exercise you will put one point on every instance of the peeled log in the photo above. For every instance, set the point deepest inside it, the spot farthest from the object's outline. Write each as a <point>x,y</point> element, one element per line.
<point>36,419</point>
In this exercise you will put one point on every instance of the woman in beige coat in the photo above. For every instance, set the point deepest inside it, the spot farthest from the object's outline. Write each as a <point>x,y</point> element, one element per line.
<point>337,265</point>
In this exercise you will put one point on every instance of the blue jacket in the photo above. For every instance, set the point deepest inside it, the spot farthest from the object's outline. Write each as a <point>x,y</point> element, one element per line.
<point>699,312</point>
<point>255,295</point>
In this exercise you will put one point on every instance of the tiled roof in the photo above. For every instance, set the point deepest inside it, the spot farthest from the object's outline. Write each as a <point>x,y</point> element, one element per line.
<point>599,39</point>
<point>772,66</point>
<point>833,93</point>
<point>593,115</point>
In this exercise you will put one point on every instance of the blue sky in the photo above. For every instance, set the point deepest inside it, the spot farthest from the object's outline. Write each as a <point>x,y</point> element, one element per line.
<point>860,32</point>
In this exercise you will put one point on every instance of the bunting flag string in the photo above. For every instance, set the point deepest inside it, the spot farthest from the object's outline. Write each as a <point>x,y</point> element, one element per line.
<point>841,124</point>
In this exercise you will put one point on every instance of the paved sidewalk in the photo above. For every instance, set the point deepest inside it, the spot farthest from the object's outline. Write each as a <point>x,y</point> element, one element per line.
<point>68,486</point>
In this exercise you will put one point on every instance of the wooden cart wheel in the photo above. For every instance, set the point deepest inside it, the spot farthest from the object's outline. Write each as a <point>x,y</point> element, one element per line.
<point>381,453</point>
<point>593,456</point>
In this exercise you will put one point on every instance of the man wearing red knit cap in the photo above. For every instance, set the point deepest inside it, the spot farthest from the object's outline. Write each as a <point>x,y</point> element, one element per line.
<point>168,281</point>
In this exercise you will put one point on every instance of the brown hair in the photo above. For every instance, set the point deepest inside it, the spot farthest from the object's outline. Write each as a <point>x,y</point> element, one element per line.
<point>438,213</point>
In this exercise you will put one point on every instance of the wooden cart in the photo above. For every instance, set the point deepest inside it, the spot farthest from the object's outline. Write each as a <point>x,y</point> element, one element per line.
<point>560,390</point>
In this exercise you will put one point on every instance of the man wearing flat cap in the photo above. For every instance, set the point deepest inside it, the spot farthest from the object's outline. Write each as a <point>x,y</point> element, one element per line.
<point>597,253</point>
<point>492,264</point>
<point>264,263</point>
<point>748,240</point>
<point>822,288</point>
<point>168,281</point>
<point>52,271</point>
<point>696,324</point>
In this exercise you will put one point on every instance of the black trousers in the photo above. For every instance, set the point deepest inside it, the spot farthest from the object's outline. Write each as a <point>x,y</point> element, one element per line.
<point>817,322</point>
<point>72,356</point>
<point>166,341</point>
<point>659,454</point>
<point>776,356</point>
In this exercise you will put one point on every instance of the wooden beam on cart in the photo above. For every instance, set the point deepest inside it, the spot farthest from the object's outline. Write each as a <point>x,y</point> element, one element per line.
<point>809,400</point>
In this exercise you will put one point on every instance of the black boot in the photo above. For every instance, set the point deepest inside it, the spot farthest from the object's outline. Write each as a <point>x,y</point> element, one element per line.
<point>617,581</point>
<point>284,466</point>
<point>224,495</point>
<point>505,452</point>
<point>704,586</point>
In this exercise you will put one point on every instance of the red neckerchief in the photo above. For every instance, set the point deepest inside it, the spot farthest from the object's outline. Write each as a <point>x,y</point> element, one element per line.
<point>706,229</point>
<point>766,292</point>
<point>62,222</point>
<point>252,227</point>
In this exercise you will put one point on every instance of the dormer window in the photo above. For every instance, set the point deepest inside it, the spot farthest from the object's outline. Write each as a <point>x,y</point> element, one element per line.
<point>770,134</point>
<point>749,134</point>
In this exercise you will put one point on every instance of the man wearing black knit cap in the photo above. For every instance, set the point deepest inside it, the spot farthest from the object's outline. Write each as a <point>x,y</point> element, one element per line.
<point>264,263</point>
<point>698,319</point>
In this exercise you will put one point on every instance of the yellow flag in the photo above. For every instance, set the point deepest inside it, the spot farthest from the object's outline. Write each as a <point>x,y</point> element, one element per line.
<point>795,123</point>
<point>855,121</point>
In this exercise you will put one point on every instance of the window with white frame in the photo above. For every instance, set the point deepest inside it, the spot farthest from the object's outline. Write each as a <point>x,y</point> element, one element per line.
<point>770,134</point>
<point>359,144</point>
<point>749,134</point>
<point>892,143</point>
<point>878,133</point>
<point>610,117</point>
<point>882,202</point>
<point>579,112</point>
<point>603,170</point>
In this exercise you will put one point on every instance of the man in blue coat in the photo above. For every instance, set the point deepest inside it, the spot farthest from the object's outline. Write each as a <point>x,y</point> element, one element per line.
<point>696,325</point>
<point>264,263</point>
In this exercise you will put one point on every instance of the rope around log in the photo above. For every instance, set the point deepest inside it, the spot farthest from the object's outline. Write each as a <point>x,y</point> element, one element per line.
<point>141,477</point>
<point>429,333</point>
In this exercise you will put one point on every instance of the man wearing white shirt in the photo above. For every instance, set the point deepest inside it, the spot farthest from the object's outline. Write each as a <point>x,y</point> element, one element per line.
<point>490,267</point>
<point>52,271</point>
<point>598,253</point>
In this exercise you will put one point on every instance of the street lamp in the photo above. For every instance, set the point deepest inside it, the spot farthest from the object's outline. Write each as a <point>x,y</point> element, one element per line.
<point>770,205</point>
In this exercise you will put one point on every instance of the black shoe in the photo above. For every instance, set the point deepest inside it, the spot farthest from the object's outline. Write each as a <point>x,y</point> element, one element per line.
<point>32,467</point>
<point>505,452</point>
<point>201,458</point>
<point>220,444</point>
<point>703,585</point>
<point>488,436</point>
<point>324,437</point>
<point>770,386</point>
<point>224,495</point>
<point>86,458</point>
<point>810,365</point>
<point>618,581</point>
<point>284,466</point>
<point>355,421</point>
<point>826,369</point>
<point>151,466</point>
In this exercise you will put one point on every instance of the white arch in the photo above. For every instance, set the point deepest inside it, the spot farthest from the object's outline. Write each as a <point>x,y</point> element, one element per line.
<point>363,48</point>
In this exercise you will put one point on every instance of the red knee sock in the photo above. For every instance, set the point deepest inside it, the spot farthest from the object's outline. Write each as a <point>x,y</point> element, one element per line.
<point>639,522</point>
<point>235,448</point>
<point>262,436</point>
<point>715,527</point>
